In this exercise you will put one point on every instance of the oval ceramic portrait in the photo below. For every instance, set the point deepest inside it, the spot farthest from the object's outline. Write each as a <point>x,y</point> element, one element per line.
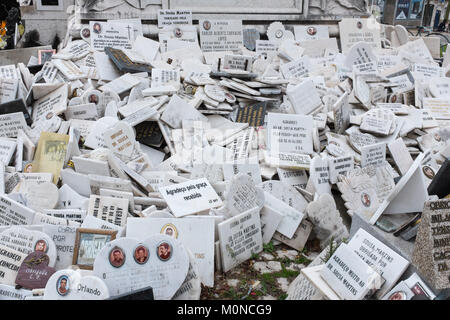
<point>41,245</point>
<point>85,34</point>
<point>141,254</point>
<point>365,199</point>
<point>170,230</point>
<point>206,25</point>
<point>62,285</point>
<point>164,251</point>
<point>428,172</point>
<point>116,257</point>
<point>398,295</point>
<point>311,31</point>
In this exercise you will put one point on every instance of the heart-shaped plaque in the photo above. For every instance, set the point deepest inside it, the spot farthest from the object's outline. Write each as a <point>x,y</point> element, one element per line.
<point>127,265</point>
<point>34,271</point>
<point>75,285</point>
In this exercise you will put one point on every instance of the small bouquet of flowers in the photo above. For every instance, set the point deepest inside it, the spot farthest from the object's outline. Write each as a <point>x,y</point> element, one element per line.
<point>3,42</point>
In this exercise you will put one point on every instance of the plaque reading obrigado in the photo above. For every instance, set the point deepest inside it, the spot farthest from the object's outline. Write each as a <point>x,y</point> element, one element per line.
<point>432,247</point>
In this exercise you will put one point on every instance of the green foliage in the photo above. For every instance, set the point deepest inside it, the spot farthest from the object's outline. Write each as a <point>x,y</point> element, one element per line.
<point>331,249</point>
<point>302,260</point>
<point>269,247</point>
<point>283,296</point>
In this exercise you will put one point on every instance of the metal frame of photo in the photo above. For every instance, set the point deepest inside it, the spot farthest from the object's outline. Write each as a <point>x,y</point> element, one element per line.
<point>76,249</point>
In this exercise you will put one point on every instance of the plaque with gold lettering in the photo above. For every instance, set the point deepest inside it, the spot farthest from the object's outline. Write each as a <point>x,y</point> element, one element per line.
<point>253,115</point>
<point>149,133</point>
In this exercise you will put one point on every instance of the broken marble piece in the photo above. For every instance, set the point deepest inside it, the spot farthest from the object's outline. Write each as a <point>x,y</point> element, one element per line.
<point>328,224</point>
<point>178,110</point>
<point>408,195</point>
<point>270,220</point>
<point>291,217</point>
<point>401,156</point>
<point>242,195</point>
<point>364,189</point>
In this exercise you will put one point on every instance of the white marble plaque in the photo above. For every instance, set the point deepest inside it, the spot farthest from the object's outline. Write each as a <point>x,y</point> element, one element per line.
<point>7,149</point>
<point>240,237</point>
<point>311,32</point>
<point>348,275</point>
<point>320,175</point>
<point>196,233</point>
<point>295,178</point>
<point>168,17</point>
<point>161,262</point>
<point>373,155</point>
<point>401,156</point>
<point>190,197</point>
<point>111,34</point>
<point>51,105</point>
<point>242,195</point>
<point>120,139</point>
<point>11,124</point>
<point>11,293</point>
<point>10,262</point>
<point>304,97</point>
<point>27,241</point>
<point>68,284</point>
<point>69,69</point>
<point>354,30</point>
<point>296,69</point>
<point>339,166</point>
<point>13,213</point>
<point>379,256</point>
<point>221,35</point>
<point>113,210</point>
<point>289,133</point>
